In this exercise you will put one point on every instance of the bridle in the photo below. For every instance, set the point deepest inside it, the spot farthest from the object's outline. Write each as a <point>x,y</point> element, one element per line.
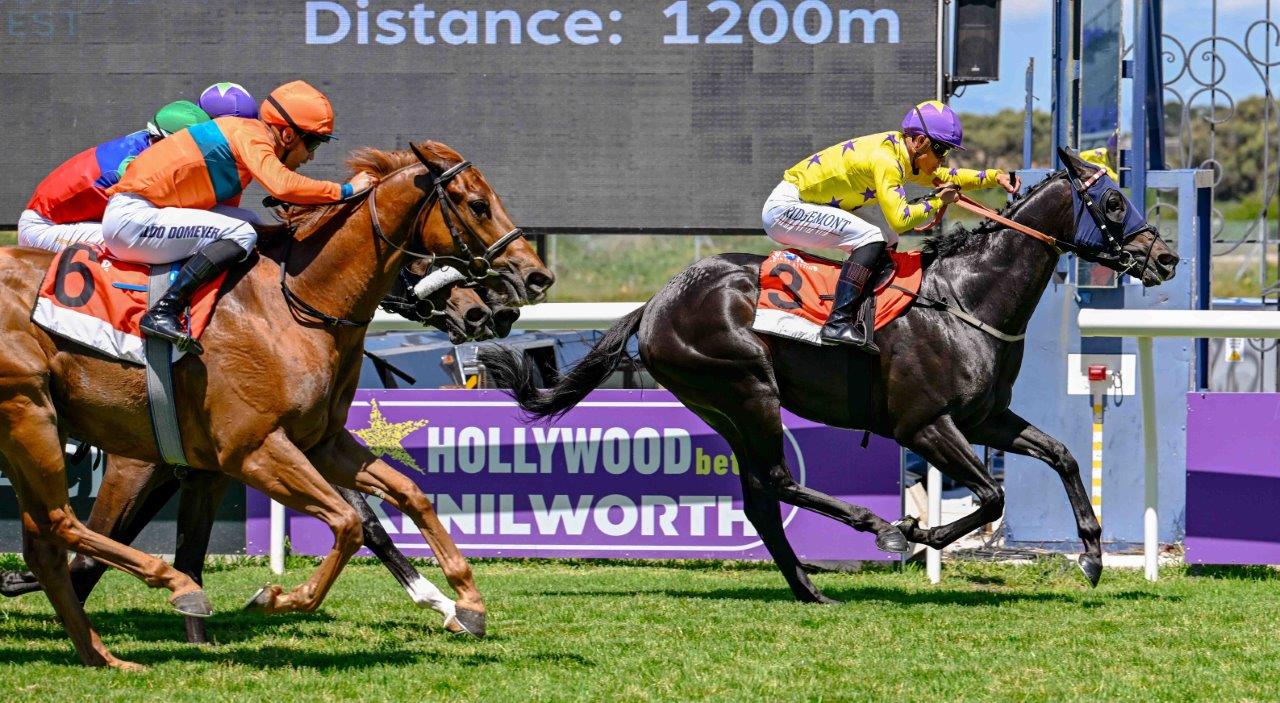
<point>474,268</point>
<point>1114,240</point>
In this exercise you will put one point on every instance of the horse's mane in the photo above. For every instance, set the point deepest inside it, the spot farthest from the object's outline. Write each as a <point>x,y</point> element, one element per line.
<point>959,239</point>
<point>376,161</point>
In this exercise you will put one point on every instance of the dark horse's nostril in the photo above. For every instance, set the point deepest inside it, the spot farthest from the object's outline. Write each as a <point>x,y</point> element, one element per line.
<point>1167,259</point>
<point>475,315</point>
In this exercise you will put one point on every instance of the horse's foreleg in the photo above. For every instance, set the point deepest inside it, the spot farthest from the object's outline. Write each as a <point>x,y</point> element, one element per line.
<point>346,462</point>
<point>281,471</point>
<point>420,590</point>
<point>1009,432</point>
<point>942,445</point>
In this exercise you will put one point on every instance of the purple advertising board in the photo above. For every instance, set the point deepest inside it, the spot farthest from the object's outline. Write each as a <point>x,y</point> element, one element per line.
<point>625,474</point>
<point>1233,478</point>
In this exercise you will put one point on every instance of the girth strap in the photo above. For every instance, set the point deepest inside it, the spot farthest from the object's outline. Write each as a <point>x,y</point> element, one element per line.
<point>931,303</point>
<point>159,367</point>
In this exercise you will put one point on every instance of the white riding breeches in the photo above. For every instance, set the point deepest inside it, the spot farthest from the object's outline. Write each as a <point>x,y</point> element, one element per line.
<point>136,230</point>
<point>791,221</point>
<point>35,231</point>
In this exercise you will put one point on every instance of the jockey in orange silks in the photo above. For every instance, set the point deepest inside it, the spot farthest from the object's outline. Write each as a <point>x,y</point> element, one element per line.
<point>174,202</point>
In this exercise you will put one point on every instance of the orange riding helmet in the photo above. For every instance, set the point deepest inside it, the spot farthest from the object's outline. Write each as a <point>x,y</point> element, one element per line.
<point>302,107</point>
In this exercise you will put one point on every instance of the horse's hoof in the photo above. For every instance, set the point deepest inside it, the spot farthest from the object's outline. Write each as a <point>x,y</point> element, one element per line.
<point>821,599</point>
<point>1091,566</point>
<point>261,600</point>
<point>18,583</point>
<point>892,540</point>
<point>910,527</point>
<point>194,604</point>
<point>471,621</point>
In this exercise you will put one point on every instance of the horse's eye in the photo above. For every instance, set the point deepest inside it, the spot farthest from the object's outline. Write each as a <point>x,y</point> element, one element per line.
<point>480,208</point>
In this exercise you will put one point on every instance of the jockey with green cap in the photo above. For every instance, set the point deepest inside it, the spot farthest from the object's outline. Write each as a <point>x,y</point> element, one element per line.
<point>813,205</point>
<point>68,204</point>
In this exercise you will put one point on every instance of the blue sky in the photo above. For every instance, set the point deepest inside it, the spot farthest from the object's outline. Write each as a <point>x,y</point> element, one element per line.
<point>1026,31</point>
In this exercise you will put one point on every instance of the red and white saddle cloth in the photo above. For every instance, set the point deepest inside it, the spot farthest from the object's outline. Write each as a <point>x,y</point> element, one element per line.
<point>91,298</point>
<point>797,290</point>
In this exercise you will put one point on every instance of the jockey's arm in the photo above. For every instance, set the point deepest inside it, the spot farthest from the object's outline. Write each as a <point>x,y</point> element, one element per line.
<point>967,178</point>
<point>257,154</point>
<point>900,213</point>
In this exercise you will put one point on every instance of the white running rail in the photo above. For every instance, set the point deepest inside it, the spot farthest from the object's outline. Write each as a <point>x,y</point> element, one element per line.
<point>1145,325</point>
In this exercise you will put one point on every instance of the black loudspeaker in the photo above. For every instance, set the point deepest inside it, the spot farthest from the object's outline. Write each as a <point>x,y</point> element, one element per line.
<point>976,57</point>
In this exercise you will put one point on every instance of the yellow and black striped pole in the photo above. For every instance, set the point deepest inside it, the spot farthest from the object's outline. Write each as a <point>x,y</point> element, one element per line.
<point>1098,382</point>
<point>1097,455</point>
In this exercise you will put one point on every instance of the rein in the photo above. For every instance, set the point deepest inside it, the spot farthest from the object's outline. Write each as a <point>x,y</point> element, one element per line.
<point>473,267</point>
<point>977,208</point>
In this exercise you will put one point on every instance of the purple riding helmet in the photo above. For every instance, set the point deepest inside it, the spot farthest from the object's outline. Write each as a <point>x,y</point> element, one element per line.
<point>936,121</point>
<point>228,100</point>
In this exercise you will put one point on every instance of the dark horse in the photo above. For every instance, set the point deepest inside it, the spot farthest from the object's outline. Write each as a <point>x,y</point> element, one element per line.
<point>940,384</point>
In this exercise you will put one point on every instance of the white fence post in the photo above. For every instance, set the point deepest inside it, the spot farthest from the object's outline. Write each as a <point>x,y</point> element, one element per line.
<point>1151,459</point>
<point>933,557</point>
<point>1145,325</point>
<point>277,538</point>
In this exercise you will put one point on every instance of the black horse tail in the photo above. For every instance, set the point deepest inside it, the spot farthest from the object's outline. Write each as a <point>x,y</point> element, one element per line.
<point>510,369</point>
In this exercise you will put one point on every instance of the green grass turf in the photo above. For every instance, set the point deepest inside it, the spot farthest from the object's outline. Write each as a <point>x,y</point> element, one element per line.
<point>586,631</point>
<point>8,237</point>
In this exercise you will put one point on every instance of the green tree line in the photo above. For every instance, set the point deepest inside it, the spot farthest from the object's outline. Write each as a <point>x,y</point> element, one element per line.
<point>996,139</point>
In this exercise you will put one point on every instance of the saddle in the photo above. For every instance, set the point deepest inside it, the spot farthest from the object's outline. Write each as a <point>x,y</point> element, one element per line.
<point>97,301</point>
<point>797,290</point>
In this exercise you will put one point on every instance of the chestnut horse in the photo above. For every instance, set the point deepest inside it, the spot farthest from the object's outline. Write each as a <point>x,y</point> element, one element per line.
<point>133,492</point>
<point>268,402</point>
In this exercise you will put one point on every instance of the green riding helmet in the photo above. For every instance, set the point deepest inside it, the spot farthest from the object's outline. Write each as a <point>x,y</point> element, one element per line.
<point>175,117</point>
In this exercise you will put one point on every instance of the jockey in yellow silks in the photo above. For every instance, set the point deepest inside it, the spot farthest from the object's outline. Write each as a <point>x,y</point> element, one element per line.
<point>813,205</point>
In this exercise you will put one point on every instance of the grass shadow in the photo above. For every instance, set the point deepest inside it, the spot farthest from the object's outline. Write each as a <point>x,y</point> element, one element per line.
<point>159,626</point>
<point>262,657</point>
<point>860,594</point>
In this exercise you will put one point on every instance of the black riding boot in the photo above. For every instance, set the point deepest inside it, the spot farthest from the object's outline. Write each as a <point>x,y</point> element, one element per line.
<point>164,318</point>
<point>852,317</point>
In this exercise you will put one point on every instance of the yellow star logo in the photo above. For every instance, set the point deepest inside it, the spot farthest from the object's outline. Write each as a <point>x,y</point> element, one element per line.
<point>385,438</point>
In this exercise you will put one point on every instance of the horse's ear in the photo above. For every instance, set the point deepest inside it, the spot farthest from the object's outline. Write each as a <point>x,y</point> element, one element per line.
<point>426,160</point>
<point>1076,166</point>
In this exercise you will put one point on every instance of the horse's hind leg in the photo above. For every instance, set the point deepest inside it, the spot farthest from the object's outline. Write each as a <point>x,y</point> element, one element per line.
<point>346,462</point>
<point>131,494</point>
<point>1011,433</point>
<point>47,559</point>
<point>765,513</point>
<point>942,444</point>
<point>49,562</point>
<point>281,471</point>
<point>30,442</point>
